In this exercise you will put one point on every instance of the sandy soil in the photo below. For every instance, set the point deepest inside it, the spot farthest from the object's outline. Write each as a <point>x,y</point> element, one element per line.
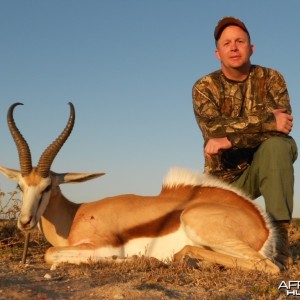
<point>141,278</point>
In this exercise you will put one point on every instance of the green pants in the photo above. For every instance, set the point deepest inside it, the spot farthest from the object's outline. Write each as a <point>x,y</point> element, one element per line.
<point>271,175</point>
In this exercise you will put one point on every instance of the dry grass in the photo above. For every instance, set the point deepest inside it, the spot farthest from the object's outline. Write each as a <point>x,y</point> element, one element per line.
<point>138,278</point>
<point>9,212</point>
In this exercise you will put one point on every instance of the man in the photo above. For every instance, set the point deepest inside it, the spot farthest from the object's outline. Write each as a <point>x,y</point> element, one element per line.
<point>244,113</point>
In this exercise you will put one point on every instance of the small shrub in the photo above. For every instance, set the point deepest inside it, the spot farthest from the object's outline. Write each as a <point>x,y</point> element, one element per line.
<point>10,206</point>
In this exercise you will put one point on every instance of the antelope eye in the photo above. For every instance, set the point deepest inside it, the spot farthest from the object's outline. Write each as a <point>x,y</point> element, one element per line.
<point>48,188</point>
<point>19,188</point>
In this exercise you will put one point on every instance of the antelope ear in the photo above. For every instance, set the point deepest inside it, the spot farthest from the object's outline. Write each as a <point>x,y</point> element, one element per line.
<point>10,173</point>
<point>75,177</point>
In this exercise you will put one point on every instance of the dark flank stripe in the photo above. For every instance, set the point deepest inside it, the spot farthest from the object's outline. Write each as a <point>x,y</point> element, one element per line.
<point>159,227</point>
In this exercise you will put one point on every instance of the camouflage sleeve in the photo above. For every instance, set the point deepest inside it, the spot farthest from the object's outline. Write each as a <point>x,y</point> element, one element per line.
<point>246,130</point>
<point>277,95</point>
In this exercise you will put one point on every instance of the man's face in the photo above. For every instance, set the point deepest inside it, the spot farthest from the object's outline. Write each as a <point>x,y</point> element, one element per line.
<point>234,48</point>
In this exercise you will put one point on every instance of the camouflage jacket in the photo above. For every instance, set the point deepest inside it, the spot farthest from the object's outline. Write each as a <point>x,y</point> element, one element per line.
<point>241,111</point>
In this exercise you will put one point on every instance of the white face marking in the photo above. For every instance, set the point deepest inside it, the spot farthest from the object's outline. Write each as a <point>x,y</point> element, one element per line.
<point>34,202</point>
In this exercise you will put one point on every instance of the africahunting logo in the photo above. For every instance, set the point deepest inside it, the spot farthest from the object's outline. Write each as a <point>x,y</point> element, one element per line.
<point>292,288</point>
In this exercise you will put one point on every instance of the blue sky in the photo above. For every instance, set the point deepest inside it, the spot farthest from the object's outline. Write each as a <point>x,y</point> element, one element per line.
<point>128,67</point>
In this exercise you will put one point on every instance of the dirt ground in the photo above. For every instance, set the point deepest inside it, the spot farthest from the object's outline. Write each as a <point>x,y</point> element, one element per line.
<point>142,278</point>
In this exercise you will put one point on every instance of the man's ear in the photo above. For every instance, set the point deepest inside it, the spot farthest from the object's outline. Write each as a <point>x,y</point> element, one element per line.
<point>217,54</point>
<point>252,49</point>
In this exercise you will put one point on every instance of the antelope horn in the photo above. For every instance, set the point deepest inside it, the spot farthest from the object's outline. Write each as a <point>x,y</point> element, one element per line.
<point>50,153</point>
<point>22,146</point>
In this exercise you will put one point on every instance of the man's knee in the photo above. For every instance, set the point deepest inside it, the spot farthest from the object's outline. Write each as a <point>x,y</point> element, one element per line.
<point>279,148</point>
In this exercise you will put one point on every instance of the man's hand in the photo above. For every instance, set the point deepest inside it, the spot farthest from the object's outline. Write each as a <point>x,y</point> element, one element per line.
<point>284,121</point>
<point>214,145</point>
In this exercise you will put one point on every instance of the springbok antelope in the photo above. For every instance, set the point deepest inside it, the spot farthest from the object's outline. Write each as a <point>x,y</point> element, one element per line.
<point>194,215</point>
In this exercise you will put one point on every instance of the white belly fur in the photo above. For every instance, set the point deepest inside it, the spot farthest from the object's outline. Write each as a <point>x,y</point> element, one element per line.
<point>161,248</point>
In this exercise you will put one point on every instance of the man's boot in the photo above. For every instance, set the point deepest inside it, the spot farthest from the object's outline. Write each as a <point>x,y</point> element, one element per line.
<point>284,255</point>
